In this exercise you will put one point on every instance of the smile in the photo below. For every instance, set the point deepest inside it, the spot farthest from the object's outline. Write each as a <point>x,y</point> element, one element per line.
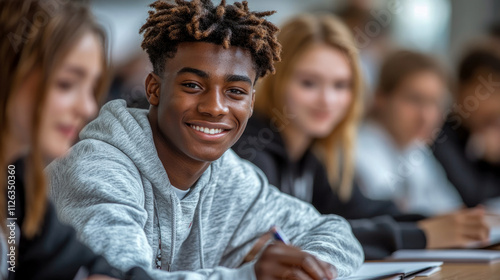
<point>206,130</point>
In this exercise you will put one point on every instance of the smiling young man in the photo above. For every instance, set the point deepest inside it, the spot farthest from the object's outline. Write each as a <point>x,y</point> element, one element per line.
<point>161,189</point>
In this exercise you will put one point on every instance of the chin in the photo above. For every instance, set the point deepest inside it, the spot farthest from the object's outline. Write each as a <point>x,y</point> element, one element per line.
<point>210,156</point>
<point>320,133</point>
<point>318,130</point>
<point>56,152</point>
<point>206,155</point>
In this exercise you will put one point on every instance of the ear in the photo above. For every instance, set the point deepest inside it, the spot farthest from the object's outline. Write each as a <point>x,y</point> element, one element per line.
<point>152,86</point>
<point>253,102</point>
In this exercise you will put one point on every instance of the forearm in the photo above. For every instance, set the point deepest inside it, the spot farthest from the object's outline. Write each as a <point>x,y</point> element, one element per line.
<point>383,235</point>
<point>332,241</point>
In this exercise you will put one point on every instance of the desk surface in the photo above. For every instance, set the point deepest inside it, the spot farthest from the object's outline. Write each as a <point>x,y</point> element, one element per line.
<point>456,271</point>
<point>467,271</point>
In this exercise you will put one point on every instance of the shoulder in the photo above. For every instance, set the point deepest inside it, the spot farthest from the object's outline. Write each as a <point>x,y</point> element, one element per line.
<point>94,166</point>
<point>91,154</point>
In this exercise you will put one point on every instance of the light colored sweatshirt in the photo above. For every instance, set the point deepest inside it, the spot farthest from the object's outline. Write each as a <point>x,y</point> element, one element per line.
<point>411,177</point>
<point>113,189</point>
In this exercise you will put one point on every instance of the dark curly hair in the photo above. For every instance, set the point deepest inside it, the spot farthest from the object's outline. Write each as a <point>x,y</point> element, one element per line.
<point>170,24</point>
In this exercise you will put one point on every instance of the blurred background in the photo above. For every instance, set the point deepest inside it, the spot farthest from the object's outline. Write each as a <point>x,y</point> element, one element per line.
<point>440,27</point>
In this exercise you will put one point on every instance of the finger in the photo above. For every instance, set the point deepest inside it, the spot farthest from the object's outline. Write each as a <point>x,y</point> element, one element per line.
<point>480,236</point>
<point>479,223</point>
<point>478,211</point>
<point>474,233</point>
<point>331,271</point>
<point>291,256</point>
<point>466,242</point>
<point>313,267</point>
<point>279,271</point>
<point>257,247</point>
<point>295,273</point>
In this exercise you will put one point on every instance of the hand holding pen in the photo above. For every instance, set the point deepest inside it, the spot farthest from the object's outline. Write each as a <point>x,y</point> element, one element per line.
<point>280,260</point>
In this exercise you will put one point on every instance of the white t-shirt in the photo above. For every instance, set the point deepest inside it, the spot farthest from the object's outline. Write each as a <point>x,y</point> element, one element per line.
<point>412,177</point>
<point>180,193</point>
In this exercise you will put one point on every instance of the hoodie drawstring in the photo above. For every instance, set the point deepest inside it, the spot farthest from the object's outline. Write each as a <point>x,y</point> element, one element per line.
<point>200,229</point>
<point>174,231</point>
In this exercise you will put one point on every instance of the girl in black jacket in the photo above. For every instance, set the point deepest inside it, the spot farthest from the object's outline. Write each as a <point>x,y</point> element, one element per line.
<point>53,69</point>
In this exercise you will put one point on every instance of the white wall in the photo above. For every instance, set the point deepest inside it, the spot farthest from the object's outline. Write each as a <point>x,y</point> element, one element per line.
<point>123,18</point>
<point>469,19</point>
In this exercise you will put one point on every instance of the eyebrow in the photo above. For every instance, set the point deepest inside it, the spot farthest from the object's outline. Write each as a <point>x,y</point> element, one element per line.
<point>205,75</point>
<point>75,70</point>
<point>238,78</point>
<point>197,72</point>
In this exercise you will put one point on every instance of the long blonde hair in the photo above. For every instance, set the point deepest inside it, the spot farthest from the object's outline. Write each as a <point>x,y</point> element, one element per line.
<point>36,36</point>
<point>336,150</point>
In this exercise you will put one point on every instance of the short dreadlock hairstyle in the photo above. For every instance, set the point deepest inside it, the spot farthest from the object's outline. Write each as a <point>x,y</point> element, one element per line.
<point>170,24</point>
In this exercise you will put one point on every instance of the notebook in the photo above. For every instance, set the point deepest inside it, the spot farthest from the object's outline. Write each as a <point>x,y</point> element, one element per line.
<point>454,255</point>
<point>394,270</point>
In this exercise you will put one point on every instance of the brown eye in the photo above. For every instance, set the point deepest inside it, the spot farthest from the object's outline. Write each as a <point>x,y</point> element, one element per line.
<point>65,85</point>
<point>341,85</point>
<point>191,85</point>
<point>237,91</point>
<point>308,83</point>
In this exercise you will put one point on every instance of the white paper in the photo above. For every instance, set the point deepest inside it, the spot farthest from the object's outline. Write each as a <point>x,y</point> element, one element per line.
<point>375,270</point>
<point>475,256</point>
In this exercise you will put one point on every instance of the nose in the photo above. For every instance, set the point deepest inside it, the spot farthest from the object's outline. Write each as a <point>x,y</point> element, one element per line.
<point>329,96</point>
<point>86,105</point>
<point>212,103</point>
<point>430,113</point>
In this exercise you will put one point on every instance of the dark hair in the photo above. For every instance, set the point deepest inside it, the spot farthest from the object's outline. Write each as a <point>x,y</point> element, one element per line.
<point>403,63</point>
<point>36,37</point>
<point>480,57</point>
<point>200,21</point>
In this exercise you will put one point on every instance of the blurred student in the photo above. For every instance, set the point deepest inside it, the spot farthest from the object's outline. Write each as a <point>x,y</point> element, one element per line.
<point>52,72</point>
<point>393,160</point>
<point>302,137</point>
<point>159,188</point>
<point>469,145</point>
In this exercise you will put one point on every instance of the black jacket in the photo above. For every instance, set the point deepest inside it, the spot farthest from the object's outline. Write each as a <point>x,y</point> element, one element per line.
<point>378,225</point>
<point>475,180</point>
<point>55,253</point>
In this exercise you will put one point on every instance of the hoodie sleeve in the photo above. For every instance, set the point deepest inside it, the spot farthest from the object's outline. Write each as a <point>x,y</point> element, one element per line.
<point>105,204</point>
<point>328,237</point>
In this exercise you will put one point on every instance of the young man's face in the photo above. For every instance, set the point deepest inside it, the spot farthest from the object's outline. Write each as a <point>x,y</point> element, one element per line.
<point>205,99</point>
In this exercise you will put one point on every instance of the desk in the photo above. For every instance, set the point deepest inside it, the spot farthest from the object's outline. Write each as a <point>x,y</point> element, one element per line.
<point>468,271</point>
<point>457,271</point>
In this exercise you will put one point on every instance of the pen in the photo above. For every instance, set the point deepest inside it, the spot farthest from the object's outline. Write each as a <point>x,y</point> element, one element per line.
<point>82,274</point>
<point>279,235</point>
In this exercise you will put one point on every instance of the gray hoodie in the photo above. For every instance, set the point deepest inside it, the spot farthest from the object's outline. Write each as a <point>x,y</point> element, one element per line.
<point>113,189</point>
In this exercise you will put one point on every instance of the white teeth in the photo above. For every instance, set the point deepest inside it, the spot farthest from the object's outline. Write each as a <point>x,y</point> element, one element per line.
<point>207,130</point>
